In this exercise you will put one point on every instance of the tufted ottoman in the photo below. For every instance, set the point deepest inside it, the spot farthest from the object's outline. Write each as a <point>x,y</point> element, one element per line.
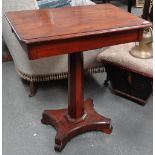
<point>129,76</point>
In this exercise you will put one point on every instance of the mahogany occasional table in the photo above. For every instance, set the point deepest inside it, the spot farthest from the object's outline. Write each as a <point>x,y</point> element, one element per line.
<point>50,32</point>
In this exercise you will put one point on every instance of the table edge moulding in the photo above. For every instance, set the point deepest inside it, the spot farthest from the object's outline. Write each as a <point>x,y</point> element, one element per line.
<point>44,33</point>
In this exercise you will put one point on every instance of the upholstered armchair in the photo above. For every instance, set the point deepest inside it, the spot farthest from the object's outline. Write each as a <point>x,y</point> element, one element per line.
<point>45,69</point>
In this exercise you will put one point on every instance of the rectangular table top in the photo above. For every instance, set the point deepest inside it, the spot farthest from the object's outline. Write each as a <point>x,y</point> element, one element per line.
<point>33,26</point>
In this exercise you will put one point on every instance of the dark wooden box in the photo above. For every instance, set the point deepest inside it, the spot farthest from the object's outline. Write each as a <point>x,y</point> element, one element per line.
<point>129,84</point>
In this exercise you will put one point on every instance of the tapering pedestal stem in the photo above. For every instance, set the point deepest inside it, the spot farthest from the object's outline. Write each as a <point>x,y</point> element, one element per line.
<point>80,116</point>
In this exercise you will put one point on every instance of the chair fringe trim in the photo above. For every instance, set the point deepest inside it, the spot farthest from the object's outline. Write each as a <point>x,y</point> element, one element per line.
<point>56,76</point>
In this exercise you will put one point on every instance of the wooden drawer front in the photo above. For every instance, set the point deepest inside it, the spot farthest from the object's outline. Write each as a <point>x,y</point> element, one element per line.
<point>52,48</point>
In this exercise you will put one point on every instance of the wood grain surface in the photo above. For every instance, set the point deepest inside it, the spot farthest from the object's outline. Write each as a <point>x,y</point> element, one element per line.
<point>50,24</point>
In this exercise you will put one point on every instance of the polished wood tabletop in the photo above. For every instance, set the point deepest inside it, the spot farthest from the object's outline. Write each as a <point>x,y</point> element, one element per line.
<point>71,22</point>
<point>72,30</point>
<point>49,32</point>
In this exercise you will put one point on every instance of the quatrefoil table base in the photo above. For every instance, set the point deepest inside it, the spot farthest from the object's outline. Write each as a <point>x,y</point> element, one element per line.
<point>67,129</point>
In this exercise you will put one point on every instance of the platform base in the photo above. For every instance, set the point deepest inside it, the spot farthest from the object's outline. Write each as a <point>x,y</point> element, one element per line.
<point>67,129</point>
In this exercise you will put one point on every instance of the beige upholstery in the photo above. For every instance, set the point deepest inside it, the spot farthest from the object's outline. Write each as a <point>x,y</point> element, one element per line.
<point>41,69</point>
<point>81,2</point>
<point>119,55</point>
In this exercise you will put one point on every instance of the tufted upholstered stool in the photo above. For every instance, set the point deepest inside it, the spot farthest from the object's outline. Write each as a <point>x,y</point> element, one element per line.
<point>129,76</point>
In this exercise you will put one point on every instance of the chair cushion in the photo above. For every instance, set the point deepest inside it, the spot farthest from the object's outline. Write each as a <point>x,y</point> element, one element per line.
<point>81,2</point>
<point>119,55</point>
<point>53,3</point>
<point>15,5</point>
